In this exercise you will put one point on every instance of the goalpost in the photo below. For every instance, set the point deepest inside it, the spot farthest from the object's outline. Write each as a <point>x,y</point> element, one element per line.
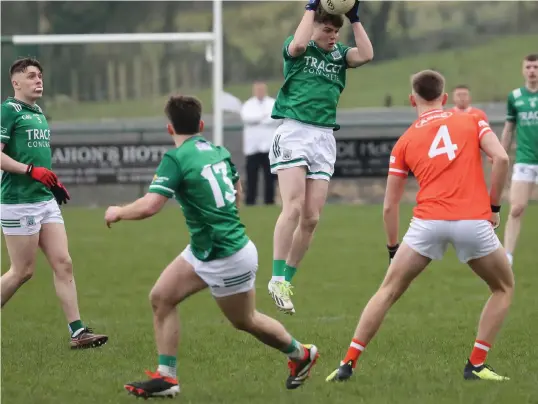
<point>213,38</point>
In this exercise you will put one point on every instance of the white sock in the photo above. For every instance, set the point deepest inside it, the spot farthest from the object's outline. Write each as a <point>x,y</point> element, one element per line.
<point>510,258</point>
<point>278,278</point>
<point>167,371</point>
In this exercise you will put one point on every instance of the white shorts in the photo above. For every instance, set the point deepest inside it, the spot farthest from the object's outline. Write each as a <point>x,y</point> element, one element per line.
<point>525,173</point>
<point>227,276</point>
<point>471,239</point>
<point>298,144</point>
<point>26,219</point>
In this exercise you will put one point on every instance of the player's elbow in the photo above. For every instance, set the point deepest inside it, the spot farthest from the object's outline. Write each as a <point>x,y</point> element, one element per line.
<point>151,210</point>
<point>388,209</point>
<point>297,49</point>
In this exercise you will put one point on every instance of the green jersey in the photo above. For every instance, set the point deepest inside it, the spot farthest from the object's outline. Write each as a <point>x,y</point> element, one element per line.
<point>522,109</point>
<point>202,178</point>
<point>312,85</point>
<point>26,136</point>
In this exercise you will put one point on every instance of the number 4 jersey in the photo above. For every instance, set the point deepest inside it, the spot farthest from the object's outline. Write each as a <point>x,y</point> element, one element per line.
<point>202,178</point>
<point>442,149</point>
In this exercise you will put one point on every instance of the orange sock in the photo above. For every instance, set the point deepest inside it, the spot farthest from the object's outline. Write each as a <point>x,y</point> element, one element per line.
<point>480,351</point>
<point>355,349</point>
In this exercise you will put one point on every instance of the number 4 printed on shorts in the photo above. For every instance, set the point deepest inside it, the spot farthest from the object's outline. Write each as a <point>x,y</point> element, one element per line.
<point>449,148</point>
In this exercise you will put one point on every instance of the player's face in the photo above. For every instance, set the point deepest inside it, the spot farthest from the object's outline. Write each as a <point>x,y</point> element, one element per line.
<point>530,71</point>
<point>461,98</point>
<point>325,36</point>
<point>29,83</point>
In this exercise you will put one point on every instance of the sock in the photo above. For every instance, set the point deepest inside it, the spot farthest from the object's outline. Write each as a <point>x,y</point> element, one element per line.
<point>510,258</point>
<point>289,272</point>
<point>167,366</point>
<point>355,349</point>
<point>480,351</point>
<point>75,328</point>
<point>279,270</point>
<point>295,350</point>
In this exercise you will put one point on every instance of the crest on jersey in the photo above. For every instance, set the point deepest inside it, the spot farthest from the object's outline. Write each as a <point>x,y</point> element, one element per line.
<point>336,55</point>
<point>532,101</point>
<point>203,145</point>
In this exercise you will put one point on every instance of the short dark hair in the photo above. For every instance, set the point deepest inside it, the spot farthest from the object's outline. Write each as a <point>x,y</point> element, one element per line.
<point>323,17</point>
<point>428,84</point>
<point>184,113</point>
<point>533,57</point>
<point>20,65</point>
<point>461,87</point>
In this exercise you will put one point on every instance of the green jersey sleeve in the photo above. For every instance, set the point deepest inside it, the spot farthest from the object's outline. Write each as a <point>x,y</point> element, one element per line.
<point>511,112</point>
<point>167,178</point>
<point>233,169</point>
<point>344,49</point>
<point>285,48</point>
<point>8,123</point>
<point>228,157</point>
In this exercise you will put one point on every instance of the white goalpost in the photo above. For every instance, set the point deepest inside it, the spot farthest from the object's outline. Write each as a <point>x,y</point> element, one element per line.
<point>214,39</point>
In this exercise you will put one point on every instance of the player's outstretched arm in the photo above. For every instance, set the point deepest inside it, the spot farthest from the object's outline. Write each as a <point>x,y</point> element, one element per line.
<point>304,31</point>
<point>147,206</point>
<point>391,207</point>
<point>363,52</point>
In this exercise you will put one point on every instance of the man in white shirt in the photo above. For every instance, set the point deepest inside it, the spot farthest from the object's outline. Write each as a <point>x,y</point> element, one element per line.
<point>258,132</point>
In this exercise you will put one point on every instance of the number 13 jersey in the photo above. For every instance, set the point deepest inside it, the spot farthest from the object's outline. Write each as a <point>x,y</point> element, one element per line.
<point>202,178</point>
<point>442,150</point>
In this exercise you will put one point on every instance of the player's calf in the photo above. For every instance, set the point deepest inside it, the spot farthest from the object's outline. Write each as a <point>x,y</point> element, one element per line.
<point>240,311</point>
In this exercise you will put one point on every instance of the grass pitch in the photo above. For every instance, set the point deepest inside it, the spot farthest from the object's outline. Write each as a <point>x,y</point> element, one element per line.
<point>417,357</point>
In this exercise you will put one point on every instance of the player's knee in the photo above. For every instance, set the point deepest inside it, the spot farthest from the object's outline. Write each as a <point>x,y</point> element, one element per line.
<point>309,222</point>
<point>245,323</point>
<point>392,289</point>
<point>505,285</point>
<point>293,207</point>
<point>517,210</point>
<point>63,265</point>
<point>160,301</point>
<point>23,272</point>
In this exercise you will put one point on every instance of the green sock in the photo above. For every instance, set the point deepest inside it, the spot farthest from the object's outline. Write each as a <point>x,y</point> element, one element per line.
<point>75,326</point>
<point>295,350</point>
<point>289,272</point>
<point>279,268</point>
<point>167,366</point>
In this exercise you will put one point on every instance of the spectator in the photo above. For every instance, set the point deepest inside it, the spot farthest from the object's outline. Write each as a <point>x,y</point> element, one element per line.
<point>258,132</point>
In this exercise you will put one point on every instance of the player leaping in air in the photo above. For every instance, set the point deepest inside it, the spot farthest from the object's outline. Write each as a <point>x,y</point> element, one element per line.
<point>304,149</point>
<point>522,118</point>
<point>220,256</point>
<point>442,149</point>
<point>31,192</point>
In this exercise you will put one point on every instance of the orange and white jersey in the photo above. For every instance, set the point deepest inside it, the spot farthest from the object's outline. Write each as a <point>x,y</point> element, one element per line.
<point>442,149</point>
<point>473,111</point>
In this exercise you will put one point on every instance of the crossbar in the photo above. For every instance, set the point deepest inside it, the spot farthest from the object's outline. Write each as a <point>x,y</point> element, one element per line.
<point>112,38</point>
